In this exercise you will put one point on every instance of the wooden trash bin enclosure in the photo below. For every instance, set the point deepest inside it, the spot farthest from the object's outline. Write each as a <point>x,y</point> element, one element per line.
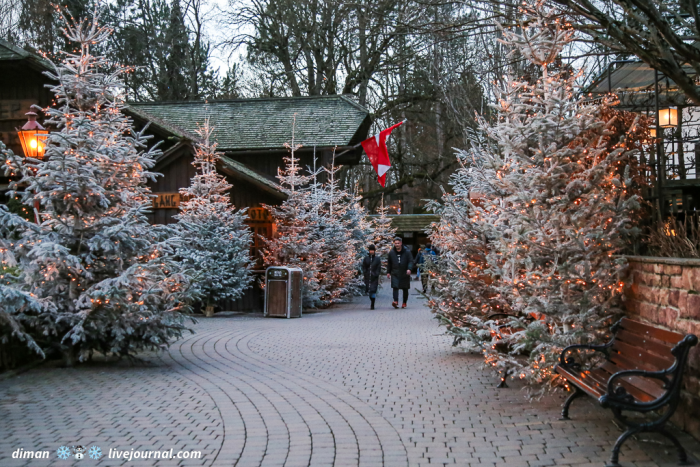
<point>283,292</point>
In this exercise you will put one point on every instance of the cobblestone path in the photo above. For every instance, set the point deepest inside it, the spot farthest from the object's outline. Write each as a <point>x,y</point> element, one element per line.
<point>342,387</point>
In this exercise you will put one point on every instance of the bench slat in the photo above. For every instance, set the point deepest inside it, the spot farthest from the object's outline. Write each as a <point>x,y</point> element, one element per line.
<point>643,341</point>
<point>631,388</point>
<point>634,354</point>
<point>627,364</point>
<point>653,387</point>
<point>592,389</point>
<point>637,327</point>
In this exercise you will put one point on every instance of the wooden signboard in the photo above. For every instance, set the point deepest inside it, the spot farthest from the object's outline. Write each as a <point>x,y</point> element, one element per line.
<point>259,215</point>
<point>166,201</point>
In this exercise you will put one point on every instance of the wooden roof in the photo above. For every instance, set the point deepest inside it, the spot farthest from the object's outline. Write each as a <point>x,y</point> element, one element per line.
<point>411,222</point>
<point>10,52</point>
<point>263,123</point>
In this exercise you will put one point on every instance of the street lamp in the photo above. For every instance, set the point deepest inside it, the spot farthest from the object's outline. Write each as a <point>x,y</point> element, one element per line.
<point>668,118</point>
<point>32,136</point>
<point>33,139</point>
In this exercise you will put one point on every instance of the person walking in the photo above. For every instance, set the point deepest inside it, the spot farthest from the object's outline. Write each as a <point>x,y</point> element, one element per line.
<point>372,269</point>
<point>398,267</point>
<point>428,254</point>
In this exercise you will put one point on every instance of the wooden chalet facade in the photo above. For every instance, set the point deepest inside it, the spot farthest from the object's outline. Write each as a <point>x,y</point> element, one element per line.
<point>22,84</point>
<point>250,132</point>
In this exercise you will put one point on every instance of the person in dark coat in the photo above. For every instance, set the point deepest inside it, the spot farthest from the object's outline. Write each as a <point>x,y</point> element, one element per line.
<point>398,266</point>
<point>372,269</point>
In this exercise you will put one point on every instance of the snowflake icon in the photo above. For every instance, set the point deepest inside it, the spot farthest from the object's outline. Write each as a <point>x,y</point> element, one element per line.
<point>95,452</point>
<point>63,452</point>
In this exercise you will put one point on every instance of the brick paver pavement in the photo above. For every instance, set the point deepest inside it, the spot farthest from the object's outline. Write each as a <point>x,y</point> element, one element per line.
<point>341,387</point>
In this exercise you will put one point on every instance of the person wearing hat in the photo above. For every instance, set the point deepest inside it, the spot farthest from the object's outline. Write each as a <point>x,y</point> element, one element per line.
<point>398,266</point>
<point>372,269</point>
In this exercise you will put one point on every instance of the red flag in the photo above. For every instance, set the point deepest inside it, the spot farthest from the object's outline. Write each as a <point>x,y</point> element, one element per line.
<point>378,154</point>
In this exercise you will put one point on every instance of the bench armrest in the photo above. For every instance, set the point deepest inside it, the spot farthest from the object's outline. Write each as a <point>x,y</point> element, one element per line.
<point>620,397</point>
<point>597,347</point>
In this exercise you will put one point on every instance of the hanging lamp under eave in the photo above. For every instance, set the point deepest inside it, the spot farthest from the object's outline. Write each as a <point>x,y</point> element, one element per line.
<point>33,137</point>
<point>668,118</point>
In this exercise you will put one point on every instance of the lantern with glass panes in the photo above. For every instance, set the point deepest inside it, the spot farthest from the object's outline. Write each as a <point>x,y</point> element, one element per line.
<point>668,118</point>
<point>33,137</point>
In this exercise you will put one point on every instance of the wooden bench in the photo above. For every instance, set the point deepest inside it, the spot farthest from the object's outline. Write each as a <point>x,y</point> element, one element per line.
<point>642,372</point>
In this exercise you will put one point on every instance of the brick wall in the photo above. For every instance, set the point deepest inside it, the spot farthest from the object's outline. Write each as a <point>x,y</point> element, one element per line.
<point>666,292</point>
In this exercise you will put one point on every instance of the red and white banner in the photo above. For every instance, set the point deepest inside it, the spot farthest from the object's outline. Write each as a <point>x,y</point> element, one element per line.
<point>378,154</point>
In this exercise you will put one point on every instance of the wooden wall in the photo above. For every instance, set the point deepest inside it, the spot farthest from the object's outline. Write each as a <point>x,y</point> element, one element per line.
<point>268,162</point>
<point>20,87</point>
<point>176,172</point>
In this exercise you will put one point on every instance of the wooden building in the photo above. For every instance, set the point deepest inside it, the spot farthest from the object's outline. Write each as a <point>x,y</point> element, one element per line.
<point>250,132</point>
<point>673,153</point>
<point>412,228</point>
<point>22,84</point>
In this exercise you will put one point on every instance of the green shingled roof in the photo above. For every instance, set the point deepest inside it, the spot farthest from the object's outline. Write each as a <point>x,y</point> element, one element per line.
<point>262,123</point>
<point>251,174</point>
<point>9,51</point>
<point>411,222</point>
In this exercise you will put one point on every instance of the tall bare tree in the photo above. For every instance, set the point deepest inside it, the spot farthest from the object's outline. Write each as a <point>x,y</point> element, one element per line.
<point>664,34</point>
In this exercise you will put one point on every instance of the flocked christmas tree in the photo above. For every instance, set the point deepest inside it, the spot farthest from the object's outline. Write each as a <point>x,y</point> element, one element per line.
<point>215,239</point>
<point>383,233</point>
<point>554,211</point>
<point>93,275</point>
<point>362,235</point>
<point>321,229</point>
<point>297,242</point>
<point>341,234</point>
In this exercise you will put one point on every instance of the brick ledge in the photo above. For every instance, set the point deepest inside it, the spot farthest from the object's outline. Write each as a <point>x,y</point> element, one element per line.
<point>663,260</point>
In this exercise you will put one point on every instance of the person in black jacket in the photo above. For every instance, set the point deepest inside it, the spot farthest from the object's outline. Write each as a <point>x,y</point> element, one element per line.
<point>372,269</point>
<point>398,266</point>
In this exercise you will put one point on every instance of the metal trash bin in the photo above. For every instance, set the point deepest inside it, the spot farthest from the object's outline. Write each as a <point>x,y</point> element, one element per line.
<point>283,292</point>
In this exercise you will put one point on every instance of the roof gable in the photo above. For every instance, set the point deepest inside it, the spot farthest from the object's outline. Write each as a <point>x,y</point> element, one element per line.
<point>262,123</point>
<point>9,52</point>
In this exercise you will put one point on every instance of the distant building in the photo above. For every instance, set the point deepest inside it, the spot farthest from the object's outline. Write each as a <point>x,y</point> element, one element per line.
<point>411,228</point>
<point>251,133</point>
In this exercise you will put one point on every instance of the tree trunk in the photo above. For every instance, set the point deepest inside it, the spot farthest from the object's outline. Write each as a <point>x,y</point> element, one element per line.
<point>70,356</point>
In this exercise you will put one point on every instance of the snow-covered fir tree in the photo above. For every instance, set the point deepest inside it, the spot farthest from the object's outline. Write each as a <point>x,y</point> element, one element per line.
<point>321,228</point>
<point>16,303</point>
<point>215,241</point>
<point>297,242</point>
<point>362,235</point>
<point>554,211</point>
<point>383,233</point>
<point>92,275</point>
<point>340,249</point>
